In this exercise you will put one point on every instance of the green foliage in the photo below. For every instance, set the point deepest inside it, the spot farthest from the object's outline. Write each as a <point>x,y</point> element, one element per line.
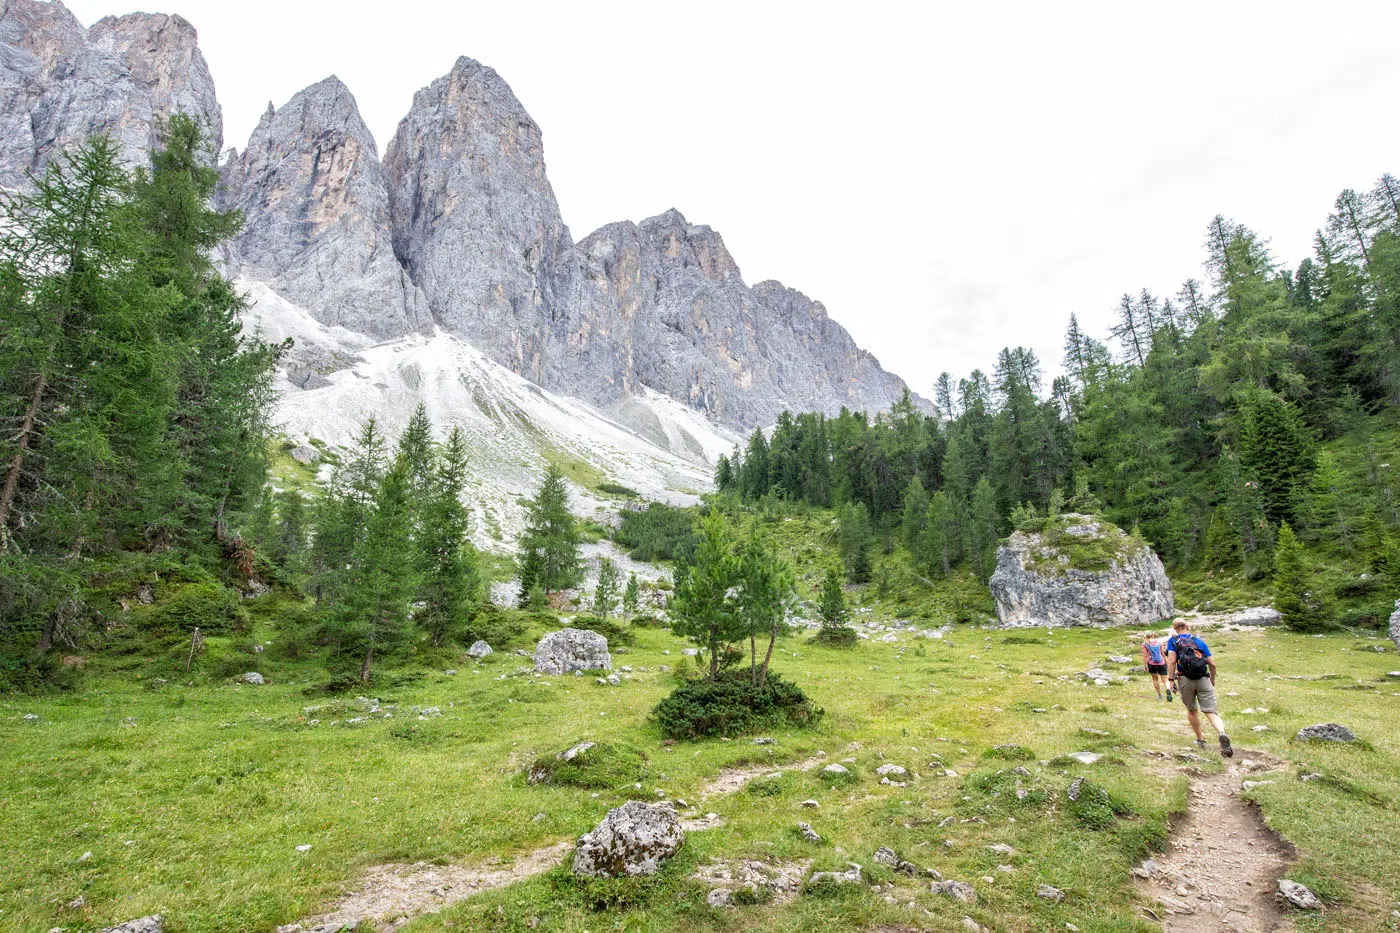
<point>603,765</point>
<point>732,705</point>
<point>210,607</point>
<point>615,633</point>
<point>605,590</point>
<point>854,535</point>
<point>616,489</point>
<point>1299,595</point>
<point>550,542</point>
<point>658,532</point>
<point>832,608</point>
<point>1095,808</point>
<point>631,596</point>
<point>447,561</point>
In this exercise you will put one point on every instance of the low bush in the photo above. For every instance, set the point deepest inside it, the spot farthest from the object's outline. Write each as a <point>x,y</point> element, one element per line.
<point>1092,806</point>
<point>210,607</point>
<point>615,633</point>
<point>600,765</point>
<point>732,705</point>
<point>617,489</point>
<point>839,636</point>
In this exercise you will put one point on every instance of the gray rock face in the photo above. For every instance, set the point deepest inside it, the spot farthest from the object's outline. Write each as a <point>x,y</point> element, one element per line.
<point>1394,630</point>
<point>1325,732</point>
<point>252,677</point>
<point>61,83</point>
<point>316,216</point>
<point>633,839</point>
<point>572,650</point>
<point>1036,582</point>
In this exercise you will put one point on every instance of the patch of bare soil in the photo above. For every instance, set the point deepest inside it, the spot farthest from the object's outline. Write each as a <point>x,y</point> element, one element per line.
<point>731,780</point>
<point>1221,869</point>
<point>391,895</point>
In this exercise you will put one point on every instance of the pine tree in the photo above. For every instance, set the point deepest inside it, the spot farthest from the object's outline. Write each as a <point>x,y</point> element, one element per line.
<point>1278,450</point>
<point>765,591</point>
<point>916,501</point>
<point>631,596</point>
<point>855,539</point>
<point>416,450</point>
<point>605,590</point>
<point>289,543</point>
<point>1330,512</point>
<point>451,578</point>
<point>983,534</point>
<point>551,537</point>
<point>704,607</point>
<point>942,545</point>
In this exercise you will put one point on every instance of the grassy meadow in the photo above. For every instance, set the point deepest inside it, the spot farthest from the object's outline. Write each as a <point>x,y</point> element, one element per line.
<point>192,800</point>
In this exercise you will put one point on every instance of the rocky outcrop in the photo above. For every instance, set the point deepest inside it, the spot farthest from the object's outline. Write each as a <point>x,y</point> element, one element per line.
<point>1079,570</point>
<point>1325,732</point>
<point>1394,628</point>
<point>572,649</point>
<point>61,83</point>
<point>633,839</point>
<point>316,216</point>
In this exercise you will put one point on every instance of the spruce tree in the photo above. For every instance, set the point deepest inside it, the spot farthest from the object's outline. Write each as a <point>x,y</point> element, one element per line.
<point>551,538</point>
<point>916,502</point>
<point>983,535</point>
<point>1298,596</point>
<point>704,607</point>
<point>832,607</point>
<point>451,579</point>
<point>631,596</point>
<point>605,590</point>
<point>855,540</point>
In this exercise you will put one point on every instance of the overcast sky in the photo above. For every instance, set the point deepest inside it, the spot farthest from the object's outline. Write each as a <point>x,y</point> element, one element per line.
<point>947,178</point>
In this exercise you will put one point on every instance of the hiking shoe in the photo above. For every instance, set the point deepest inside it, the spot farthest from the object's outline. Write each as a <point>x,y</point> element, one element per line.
<point>1169,696</point>
<point>1201,744</point>
<point>1226,748</point>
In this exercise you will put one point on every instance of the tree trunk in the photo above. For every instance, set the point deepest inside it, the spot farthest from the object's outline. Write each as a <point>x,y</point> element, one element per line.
<point>753,659</point>
<point>364,668</point>
<point>772,640</point>
<point>714,657</point>
<point>26,430</point>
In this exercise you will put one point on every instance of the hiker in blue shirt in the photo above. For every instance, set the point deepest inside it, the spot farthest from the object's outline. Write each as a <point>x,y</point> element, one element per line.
<point>1154,656</point>
<point>1193,675</point>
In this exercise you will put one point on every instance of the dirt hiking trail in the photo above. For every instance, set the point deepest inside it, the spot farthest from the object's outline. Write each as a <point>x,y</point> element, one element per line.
<point>1221,868</point>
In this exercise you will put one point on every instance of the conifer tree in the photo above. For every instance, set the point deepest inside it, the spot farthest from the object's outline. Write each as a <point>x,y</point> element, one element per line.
<point>289,544</point>
<point>451,579</point>
<point>704,607</point>
<point>916,502</point>
<point>855,539</point>
<point>1297,595</point>
<point>631,596</point>
<point>983,535</point>
<point>605,590</point>
<point>551,537</point>
<point>942,534</point>
<point>832,607</point>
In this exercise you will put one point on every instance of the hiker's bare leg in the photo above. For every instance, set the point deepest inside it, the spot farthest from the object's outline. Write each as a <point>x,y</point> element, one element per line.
<point>1215,721</point>
<point>1195,719</point>
<point>1157,683</point>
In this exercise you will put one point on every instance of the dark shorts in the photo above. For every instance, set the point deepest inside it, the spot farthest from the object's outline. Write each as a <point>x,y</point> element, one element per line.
<point>1157,669</point>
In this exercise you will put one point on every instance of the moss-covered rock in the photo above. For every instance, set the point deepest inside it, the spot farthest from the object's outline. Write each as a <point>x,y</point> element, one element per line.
<point>590,764</point>
<point>1079,570</point>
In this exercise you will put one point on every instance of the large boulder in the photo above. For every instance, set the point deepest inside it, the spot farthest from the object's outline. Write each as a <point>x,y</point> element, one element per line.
<point>633,839</point>
<point>572,649</point>
<point>1079,570</point>
<point>1395,624</point>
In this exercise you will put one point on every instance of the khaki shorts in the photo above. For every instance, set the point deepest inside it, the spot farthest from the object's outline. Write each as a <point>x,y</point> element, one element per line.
<point>1195,692</point>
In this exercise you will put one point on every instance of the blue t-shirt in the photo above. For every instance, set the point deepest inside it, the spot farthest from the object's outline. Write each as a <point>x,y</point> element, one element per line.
<point>1196,639</point>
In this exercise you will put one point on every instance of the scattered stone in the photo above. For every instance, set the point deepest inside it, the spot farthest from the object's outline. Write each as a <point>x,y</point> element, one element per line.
<point>304,848</point>
<point>450,672</point>
<point>151,924</point>
<point>719,897</point>
<point>77,903</point>
<point>1119,659</point>
<point>1085,758</point>
<point>479,649</point>
<point>890,769</point>
<point>572,650</point>
<point>811,804</point>
<point>1250,785</point>
<point>970,924</point>
<point>1048,892</point>
<point>1325,732</point>
<point>1259,729</point>
<point>763,740</point>
<point>1394,630</point>
<point>252,677</point>
<point>958,890</point>
<point>613,680</point>
<point>31,717</point>
<point>1310,777</point>
<point>633,839</point>
<point>690,652</point>
<point>1002,849</point>
<point>430,712</point>
<point>835,770</point>
<point>1075,788</point>
<point>1096,733</point>
<point>890,859</point>
<point>808,833</point>
<point>1298,895</point>
<point>850,876</point>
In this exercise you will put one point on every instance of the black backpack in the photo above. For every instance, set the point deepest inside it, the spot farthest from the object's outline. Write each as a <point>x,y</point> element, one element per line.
<point>1189,660</point>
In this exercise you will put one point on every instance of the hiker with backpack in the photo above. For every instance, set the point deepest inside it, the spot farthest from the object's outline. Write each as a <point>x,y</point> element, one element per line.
<point>1154,657</point>
<point>1193,676</point>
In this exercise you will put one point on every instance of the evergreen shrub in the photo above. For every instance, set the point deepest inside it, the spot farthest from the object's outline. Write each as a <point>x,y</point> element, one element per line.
<point>732,705</point>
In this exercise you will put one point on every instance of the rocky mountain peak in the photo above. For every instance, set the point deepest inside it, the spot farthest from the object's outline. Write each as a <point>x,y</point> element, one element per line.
<point>316,215</point>
<point>61,83</point>
<point>678,239</point>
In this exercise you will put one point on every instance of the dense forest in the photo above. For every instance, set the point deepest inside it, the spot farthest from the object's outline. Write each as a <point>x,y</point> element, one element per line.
<point>1207,421</point>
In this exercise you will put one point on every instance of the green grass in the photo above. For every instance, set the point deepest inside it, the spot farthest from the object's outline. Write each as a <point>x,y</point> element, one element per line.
<point>192,800</point>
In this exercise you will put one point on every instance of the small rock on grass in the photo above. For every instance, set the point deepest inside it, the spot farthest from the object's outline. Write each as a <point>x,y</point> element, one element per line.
<point>850,876</point>
<point>1298,895</point>
<point>151,924</point>
<point>1048,892</point>
<point>252,677</point>
<point>719,897</point>
<point>970,924</point>
<point>808,833</point>
<point>811,804</point>
<point>1325,732</point>
<point>958,890</point>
